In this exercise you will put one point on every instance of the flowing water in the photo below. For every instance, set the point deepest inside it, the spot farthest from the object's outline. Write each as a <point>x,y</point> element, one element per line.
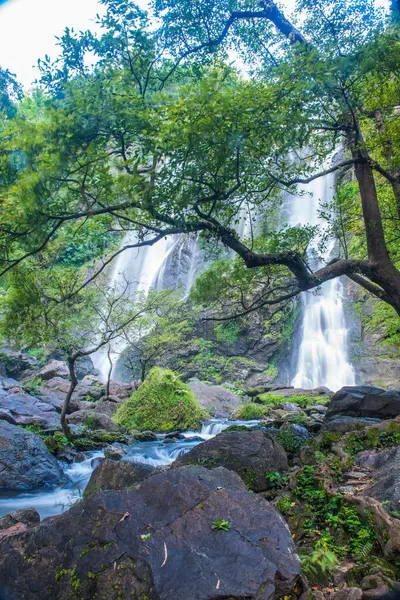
<point>156,454</point>
<point>323,352</point>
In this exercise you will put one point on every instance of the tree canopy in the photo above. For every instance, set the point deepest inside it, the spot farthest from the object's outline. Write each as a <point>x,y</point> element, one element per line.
<point>147,126</point>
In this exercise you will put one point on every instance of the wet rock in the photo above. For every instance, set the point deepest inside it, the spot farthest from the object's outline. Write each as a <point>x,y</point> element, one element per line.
<point>27,516</point>
<point>25,462</point>
<point>214,398</point>
<point>170,441</point>
<point>111,475</point>
<point>19,408</point>
<point>251,454</point>
<point>55,368</point>
<point>297,429</point>
<point>175,434</point>
<point>115,451</point>
<point>364,401</point>
<point>144,436</point>
<point>156,540</point>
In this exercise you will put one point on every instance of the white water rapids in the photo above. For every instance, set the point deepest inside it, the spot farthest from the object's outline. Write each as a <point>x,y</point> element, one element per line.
<point>323,352</point>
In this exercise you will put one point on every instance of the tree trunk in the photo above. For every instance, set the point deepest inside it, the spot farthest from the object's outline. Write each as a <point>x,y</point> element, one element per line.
<point>382,270</point>
<point>109,371</point>
<point>143,370</point>
<point>72,386</point>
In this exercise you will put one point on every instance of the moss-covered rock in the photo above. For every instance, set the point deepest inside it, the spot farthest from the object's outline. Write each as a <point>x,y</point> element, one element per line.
<point>162,403</point>
<point>249,411</point>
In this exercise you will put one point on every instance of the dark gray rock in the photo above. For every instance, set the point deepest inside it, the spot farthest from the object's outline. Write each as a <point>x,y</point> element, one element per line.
<point>251,454</point>
<point>106,407</point>
<point>27,516</point>
<point>17,364</point>
<point>55,368</point>
<point>93,420</point>
<point>156,541</point>
<point>290,407</point>
<point>364,401</point>
<point>19,408</point>
<point>386,487</point>
<point>214,398</point>
<point>25,462</point>
<point>111,475</point>
<point>343,424</point>
<point>115,451</point>
<point>144,436</point>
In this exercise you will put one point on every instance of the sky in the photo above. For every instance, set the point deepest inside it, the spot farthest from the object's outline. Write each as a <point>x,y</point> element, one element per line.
<point>28,29</point>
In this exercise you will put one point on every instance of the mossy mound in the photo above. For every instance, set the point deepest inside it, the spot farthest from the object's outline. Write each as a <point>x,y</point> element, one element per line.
<point>249,411</point>
<point>162,403</point>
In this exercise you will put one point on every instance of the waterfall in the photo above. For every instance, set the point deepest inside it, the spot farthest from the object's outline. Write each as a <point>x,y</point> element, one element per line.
<point>322,356</point>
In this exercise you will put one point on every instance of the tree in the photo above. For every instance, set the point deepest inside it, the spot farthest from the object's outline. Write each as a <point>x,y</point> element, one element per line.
<point>88,322</point>
<point>131,142</point>
<point>162,329</point>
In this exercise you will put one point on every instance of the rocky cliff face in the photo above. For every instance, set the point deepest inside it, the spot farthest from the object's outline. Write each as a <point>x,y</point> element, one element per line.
<point>376,361</point>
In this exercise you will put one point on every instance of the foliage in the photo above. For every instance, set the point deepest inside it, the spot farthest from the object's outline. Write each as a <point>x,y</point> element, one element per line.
<point>32,386</point>
<point>373,438</point>
<point>56,443</point>
<point>249,411</point>
<point>220,525</point>
<point>227,333</point>
<point>162,403</point>
<point>303,400</point>
<point>318,565</point>
<point>329,520</point>
<point>290,442</point>
<point>276,480</point>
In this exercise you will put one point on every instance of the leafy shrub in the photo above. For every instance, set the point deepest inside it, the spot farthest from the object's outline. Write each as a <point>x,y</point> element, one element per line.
<point>56,443</point>
<point>227,333</point>
<point>162,403</point>
<point>318,565</point>
<point>373,438</point>
<point>276,480</point>
<point>32,386</point>
<point>249,411</point>
<point>290,441</point>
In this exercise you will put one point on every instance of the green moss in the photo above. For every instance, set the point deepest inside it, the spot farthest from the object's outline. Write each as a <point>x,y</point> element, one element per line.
<point>303,400</point>
<point>162,403</point>
<point>249,411</point>
<point>227,333</point>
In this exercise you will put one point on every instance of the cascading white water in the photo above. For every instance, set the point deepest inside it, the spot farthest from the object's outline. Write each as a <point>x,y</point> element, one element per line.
<point>173,262</point>
<point>323,352</point>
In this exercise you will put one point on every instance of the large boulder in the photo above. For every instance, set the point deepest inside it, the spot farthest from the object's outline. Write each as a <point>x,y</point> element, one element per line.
<point>27,516</point>
<point>55,368</point>
<point>111,475</point>
<point>364,401</point>
<point>93,420</point>
<point>251,454</point>
<point>157,541</point>
<point>25,462</point>
<point>386,485</point>
<point>19,408</point>
<point>216,399</point>
<point>17,364</point>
